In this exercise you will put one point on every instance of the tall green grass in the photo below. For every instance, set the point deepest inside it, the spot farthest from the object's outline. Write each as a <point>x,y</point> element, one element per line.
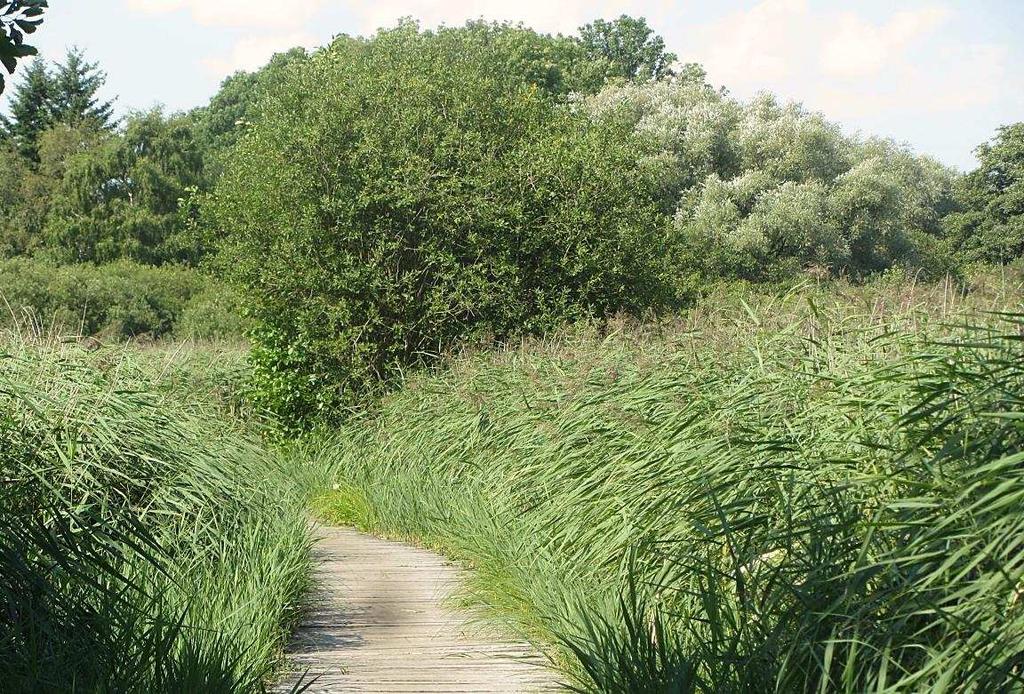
<point>822,491</point>
<point>148,542</point>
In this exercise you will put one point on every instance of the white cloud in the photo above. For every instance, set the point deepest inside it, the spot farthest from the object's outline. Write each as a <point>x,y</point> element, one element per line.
<point>859,48</point>
<point>848,64</point>
<point>766,42</point>
<point>252,52</point>
<point>544,15</point>
<point>237,13</point>
<point>970,77</point>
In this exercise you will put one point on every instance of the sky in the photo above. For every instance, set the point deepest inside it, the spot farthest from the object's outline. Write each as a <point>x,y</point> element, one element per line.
<point>939,75</point>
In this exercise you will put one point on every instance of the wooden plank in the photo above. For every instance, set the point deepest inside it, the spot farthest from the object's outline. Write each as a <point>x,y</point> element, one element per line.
<point>381,621</point>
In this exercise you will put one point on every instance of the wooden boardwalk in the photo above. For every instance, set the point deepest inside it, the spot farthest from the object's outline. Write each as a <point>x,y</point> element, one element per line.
<point>380,623</point>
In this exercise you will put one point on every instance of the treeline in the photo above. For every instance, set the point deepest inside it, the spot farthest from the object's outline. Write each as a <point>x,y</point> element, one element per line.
<point>382,199</point>
<point>95,214</point>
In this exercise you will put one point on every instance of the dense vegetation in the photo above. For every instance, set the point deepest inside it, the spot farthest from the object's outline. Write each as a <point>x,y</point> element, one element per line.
<point>453,199</point>
<point>762,190</point>
<point>509,181</point>
<point>116,301</point>
<point>990,225</point>
<point>653,360</point>
<point>812,492</point>
<point>465,195</point>
<point>148,543</point>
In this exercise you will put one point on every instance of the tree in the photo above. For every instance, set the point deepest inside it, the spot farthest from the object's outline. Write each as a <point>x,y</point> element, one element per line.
<point>400,196</point>
<point>23,204</point>
<point>220,123</point>
<point>67,94</point>
<point>631,48</point>
<point>17,18</point>
<point>31,109</point>
<point>76,83</point>
<point>118,195</point>
<point>554,63</point>
<point>990,225</point>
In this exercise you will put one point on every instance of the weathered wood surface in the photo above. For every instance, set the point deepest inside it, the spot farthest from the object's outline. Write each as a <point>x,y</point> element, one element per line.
<point>380,622</point>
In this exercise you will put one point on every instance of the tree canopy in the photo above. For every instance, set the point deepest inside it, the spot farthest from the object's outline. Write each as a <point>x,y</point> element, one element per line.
<point>47,95</point>
<point>76,86</point>
<point>990,226</point>
<point>629,46</point>
<point>30,108</point>
<point>401,195</point>
<point>387,198</point>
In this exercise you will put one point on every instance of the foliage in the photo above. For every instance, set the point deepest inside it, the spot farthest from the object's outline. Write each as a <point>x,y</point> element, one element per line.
<point>66,94</point>
<point>764,190</point>
<point>76,83</point>
<point>990,227</point>
<point>631,49</point>
<point>30,109</point>
<point>146,543</point>
<point>25,203</point>
<point>119,300</point>
<point>22,205</point>
<point>818,491</point>
<point>219,124</point>
<point>212,313</point>
<point>17,18</point>
<point>120,198</point>
<point>406,194</point>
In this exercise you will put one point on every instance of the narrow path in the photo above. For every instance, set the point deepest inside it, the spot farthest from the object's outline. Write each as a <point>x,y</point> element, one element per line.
<point>380,623</point>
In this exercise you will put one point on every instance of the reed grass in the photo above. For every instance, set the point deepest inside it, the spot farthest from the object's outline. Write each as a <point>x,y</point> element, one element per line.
<point>821,490</point>
<point>148,542</point>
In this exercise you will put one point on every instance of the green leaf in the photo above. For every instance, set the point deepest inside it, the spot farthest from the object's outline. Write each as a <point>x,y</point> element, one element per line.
<point>29,26</point>
<point>23,51</point>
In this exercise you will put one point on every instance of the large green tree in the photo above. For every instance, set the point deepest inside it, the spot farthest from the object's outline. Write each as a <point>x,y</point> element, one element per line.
<point>75,92</point>
<point>990,225</point>
<point>31,109</point>
<point>119,196</point>
<point>631,48</point>
<point>401,195</point>
<point>68,93</point>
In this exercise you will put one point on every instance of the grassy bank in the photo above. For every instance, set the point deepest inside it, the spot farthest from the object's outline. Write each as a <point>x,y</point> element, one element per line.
<point>148,542</point>
<point>816,491</point>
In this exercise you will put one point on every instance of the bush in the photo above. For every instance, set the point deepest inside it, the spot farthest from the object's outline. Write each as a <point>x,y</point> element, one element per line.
<point>119,300</point>
<point>764,190</point>
<point>409,193</point>
<point>213,313</point>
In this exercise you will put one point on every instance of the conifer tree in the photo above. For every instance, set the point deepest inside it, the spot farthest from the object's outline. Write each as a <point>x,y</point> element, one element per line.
<point>75,100</point>
<point>31,109</point>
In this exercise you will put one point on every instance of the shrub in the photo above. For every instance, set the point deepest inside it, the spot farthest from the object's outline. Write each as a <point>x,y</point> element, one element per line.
<point>213,313</point>
<point>763,189</point>
<point>408,193</point>
<point>119,300</point>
